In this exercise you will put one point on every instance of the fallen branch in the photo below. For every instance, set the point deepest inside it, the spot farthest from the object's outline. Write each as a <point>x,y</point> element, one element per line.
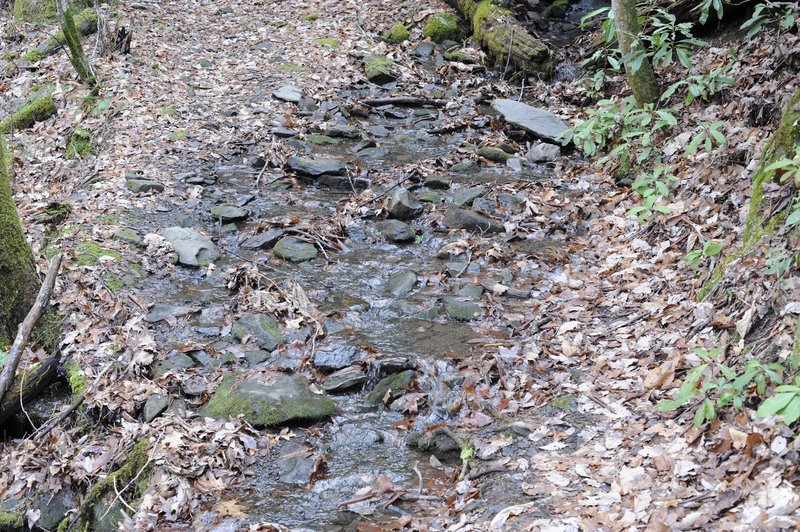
<point>26,327</point>
<point>27,385</point>
<point>411,101</point>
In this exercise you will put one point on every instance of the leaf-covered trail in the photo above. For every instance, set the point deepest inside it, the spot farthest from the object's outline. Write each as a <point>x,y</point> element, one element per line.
<point>588,318</point>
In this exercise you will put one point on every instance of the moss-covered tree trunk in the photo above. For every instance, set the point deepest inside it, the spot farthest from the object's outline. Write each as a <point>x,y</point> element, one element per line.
<point>39,11</point>
<point>76,54</point>
<point>504,38</point>
<point>642,79</point>
<point>18,280</point>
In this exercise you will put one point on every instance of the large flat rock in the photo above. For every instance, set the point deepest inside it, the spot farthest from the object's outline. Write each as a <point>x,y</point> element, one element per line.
<point>538,122</point>
<point>193,249</point>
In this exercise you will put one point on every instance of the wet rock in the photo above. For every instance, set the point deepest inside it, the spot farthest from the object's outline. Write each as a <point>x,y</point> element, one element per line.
<point>372,153</point>
<point>268,399</point>
<point>343,131</point>
<point>437,182</point>
<point>423,50</point>
<point>471,291</point>
<point>438,441</point>
<point>462,310</point>
<point>457,268</point>
<point>193,249</point>
<point>177,361</point>
<point>538,122</point>
<point>464,196</point>
<point>228,214</point>
<point>401,283</point>
<point>256,357</point>
<point>321,140</point>
<point>344,379</point>
<point>263,240</point>
<point>363,145</point>
<point>379,69</point>
<point>403,205</point>
<point>396,231</point>
<point>378,131</point>
<point>53,508</point>
<point>263,328</point>
<point>128,235</point>
<point>344,183</point>
<point>316,167</point>
<point>288,93</point>
<point>291,249</point>
<point>543,152</point>
<point>466,167</point>
<point>494,154</point>
<point>456,218</point>
<point>337,356</point>
<point>390,388</point>
<point>154,406</point>
<point>296,463</point>
<point>143,186</point>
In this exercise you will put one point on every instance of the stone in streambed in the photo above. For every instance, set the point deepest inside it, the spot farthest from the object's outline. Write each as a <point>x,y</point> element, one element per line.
<point>390,388</point>
<point>344,379</point>
<point>291,249</point>
<point>456,218</point>
<point>540,123</point>
<point>143,186</point>
<point>494,154</point>
<point>262,328</point>
<point>401,283</point>
<point>268,399</point>
<point>467,195</point>
<point>437,182</point>
<point>337,356</point>
<point>263,240</point>
<point>462,310</point>
<point>227,214</point>
<point>316,167</point>
<point>288,93</point>
<point>343,131</point>
<point>543,152</point>
<point>396,231</point>
<point>403,205</point>
<point>379,69</point>
<point>193,249</point>
<point>430,197</point>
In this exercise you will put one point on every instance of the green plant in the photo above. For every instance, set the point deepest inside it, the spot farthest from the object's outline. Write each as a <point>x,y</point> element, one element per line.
<point>702,86</point>
<point>782,14</point>
<point>779,261</point>
<point>785,402</point>
<point>652,187</point>
<point>705,8</point>
<point>668,41</point>
<point>716,386</point>
<point>708,137</point>
<point>709,249</point>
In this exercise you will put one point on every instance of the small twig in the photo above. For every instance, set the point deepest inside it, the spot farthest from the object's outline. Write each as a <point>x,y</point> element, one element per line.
<point>510,47</point>
<point>419,475</point>
<point>261,173</point>
<point>26,327</point>
<point>348,502</point>
<point>412,101</point>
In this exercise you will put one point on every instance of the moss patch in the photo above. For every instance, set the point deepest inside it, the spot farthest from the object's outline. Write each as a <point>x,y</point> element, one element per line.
<point>329,42</point>
<point>396,34</point>
<point>80,144</point>
<point>37,110</point>
<point>76,380</point>
<point>309,17</point>
<point>88,253</point>
<point>444,27</point>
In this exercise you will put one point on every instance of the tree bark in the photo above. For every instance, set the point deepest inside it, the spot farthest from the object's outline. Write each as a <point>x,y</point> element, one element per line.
<point>504,38</point>
<point>19,283</point>
<point>76,54</point>
<point>642,80</point>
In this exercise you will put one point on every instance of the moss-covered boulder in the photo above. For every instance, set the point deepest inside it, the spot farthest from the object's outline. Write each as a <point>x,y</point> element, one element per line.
<point>379,69</point>
<point>36,109</point>
<point>444,27</point>
<point>396,34</point>
<point>80,144</point>
<point>390,388</point>
<point>268,399</point>
<point>293,250</point>
<point>262,328</point>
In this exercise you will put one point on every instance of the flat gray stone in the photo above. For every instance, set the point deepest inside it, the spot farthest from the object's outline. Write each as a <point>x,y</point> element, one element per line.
<point>343,131</point>
<point>456,218</point>
<point>337,356</point>
<point>344,379</point>
<point>264,240</point>
<point>262,328</point>
<point>396,231</point>
<point>463,196</point>
<point>403,205</point>
<point>176,361</point>
<point>543,152</point>
<point>143,186</point>
<point>293,250</point>
<point>154,406</point>
<point>193,249</point>
<point>288,93</point>
<point>462,310</point>
<point>538,122</point>
<point>227,214</point>
<point>128,235</point>
<point>401,283</point>
<point>316,167</point>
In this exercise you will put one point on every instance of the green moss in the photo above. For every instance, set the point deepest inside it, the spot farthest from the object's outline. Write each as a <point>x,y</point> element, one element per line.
<point>11,520</point>
<point>107,219</point>
<point>168,111</point>
<point>88,253</point>
<point>10,55</point>
<point>329,42</point>
<point>494,154</point>
<point>80,144</point>
<point>33,56</point>
<point>321,139</point>
<point>34,111</point>
<point>458,56</point>
<point>76,380</point>
<point>783,143</point>
<point>444,27</point>
<point>396,34</point>
<point>390,387</point>
<point>86,20</point>
<point>379,69</point>
<point>565,404</point>
<point>178,135</point>
<point>309,17</point>
<point>291,67</point>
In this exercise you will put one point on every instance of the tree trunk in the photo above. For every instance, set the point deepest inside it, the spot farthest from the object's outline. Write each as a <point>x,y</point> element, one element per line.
<point>19,283</point>
<point>504,38</point>
<point>642,80</point>
<point>76,54</point>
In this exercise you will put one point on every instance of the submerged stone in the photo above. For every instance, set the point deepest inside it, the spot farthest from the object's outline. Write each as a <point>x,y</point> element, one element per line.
<point>401,283</point>
<point>396,231</point>
<point>193,249</point>
<point>268,399</point>
<point>390,388</point>
<point>291,249</point>
<point>316,167</point>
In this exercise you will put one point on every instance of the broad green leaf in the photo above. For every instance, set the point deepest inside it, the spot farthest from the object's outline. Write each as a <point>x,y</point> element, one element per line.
<point>773,405</point>
<point>792,411</point>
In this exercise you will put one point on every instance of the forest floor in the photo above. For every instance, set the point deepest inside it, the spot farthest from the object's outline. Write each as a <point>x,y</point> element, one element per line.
<point>539,412</point>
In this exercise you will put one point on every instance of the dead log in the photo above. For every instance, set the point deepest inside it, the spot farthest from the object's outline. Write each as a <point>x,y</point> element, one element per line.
<point>507,41</point>
<point>27,385</point>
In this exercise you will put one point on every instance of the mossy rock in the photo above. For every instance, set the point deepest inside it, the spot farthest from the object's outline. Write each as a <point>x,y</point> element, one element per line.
<point>396,34</point>
<point>37,110</point>
<point>54,213</point>
<point>390,388</point>
<point>309,17</point>
<point>379,69</point>
<point>331,43</point>
<point>39,11</point>
<point>321,140</point>
<point>85,23</point>
<point>80,144</point>
<point>494,154</point>
<point>88,253</point>
<point>268,399</point>
<point>444,27</point>
<point>264,329</point>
